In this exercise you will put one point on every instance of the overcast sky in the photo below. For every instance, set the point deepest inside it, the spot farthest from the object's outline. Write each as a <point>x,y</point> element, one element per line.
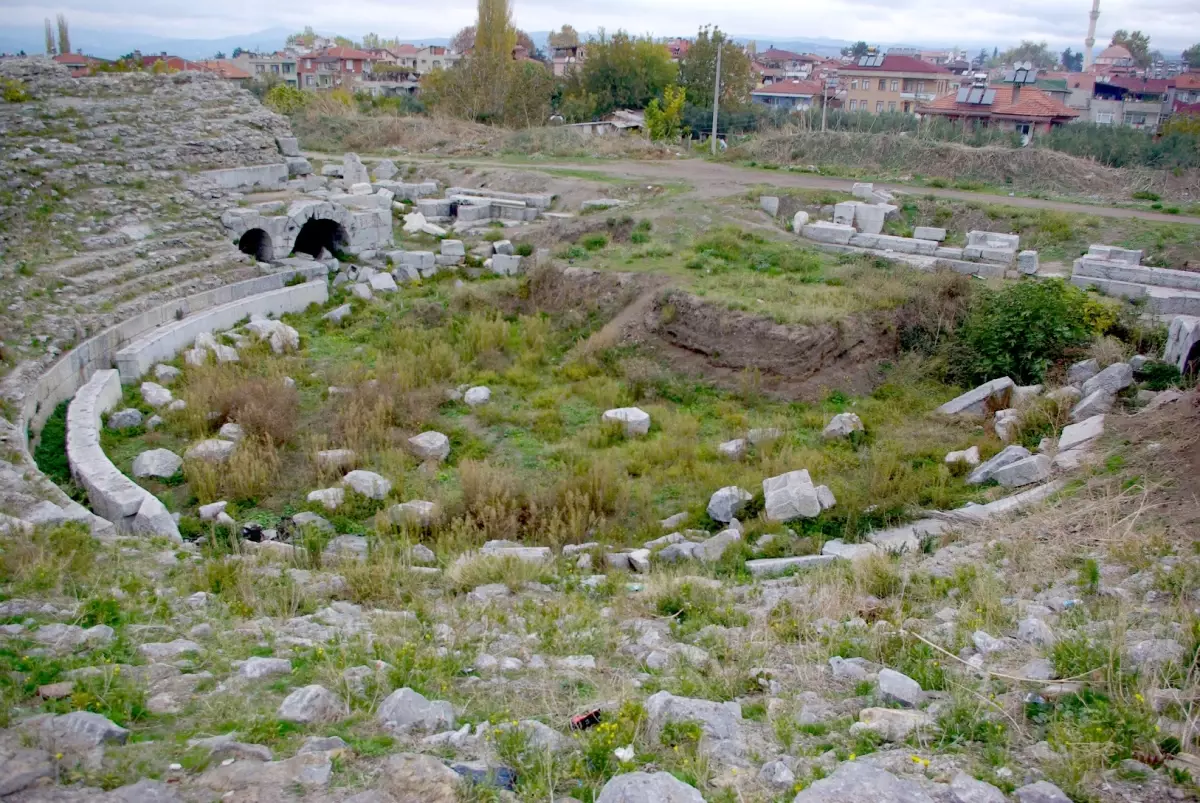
<point>1171,24</point>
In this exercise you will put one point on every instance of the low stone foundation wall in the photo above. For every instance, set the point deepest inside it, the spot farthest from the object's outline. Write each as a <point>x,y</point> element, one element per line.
<point>113,496</point>
<point>1116,272</point>
<point>163,343</point>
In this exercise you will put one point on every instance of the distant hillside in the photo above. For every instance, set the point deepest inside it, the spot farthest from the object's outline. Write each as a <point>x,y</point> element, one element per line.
<point>111,44</point>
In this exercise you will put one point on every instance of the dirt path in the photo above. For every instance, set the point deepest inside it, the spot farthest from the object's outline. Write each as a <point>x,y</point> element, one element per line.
<point>717,180</point>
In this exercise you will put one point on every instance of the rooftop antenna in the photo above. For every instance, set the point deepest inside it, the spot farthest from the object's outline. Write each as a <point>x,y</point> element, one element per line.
<point>1090,42</point>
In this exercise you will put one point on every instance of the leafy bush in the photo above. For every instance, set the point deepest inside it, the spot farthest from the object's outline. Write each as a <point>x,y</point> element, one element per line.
<point>1019,332</point>
<point>51,452</point>
<point>13,91</point>
<point>1161,375</point>
<point>285,99</point>
<point>594,242</point>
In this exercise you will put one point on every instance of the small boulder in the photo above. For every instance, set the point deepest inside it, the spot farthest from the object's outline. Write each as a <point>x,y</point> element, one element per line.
<point>161,463</point>
<point>1023,472</point>
<point>1112,379</point>
<point>368,484</point>
<point>725,503</point>
<point>125,419</point>
<point>899,688</point>
<point>211,451</point>
<point>790,496</point>
<point>732,450</point>
<point>1081,372</point>
<point>156,395</point>
<point>405,710</point>
<point>312,704</point>
<point>634,421</point>
<point>430,446</point>
<point>842,425</point>
<point>477,395</point>
<point>645,787</point>
<point>1007,456</point>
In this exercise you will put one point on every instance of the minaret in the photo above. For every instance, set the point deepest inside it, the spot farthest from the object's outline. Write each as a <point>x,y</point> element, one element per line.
<point>1090,42</point>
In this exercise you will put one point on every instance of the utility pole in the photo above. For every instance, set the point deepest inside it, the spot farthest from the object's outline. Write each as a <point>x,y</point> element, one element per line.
<point>716,96</point>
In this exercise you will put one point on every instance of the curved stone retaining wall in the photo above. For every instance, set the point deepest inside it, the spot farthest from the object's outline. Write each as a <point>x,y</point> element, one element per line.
<point>164,342</point>
<point>113,496</point>
<point>65,377</point>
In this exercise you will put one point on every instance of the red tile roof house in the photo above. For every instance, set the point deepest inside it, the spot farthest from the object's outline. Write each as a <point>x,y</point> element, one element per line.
<point>334,66</point>
<point>1023,109</point>
<point>79,64</point>
<point>796,95</point>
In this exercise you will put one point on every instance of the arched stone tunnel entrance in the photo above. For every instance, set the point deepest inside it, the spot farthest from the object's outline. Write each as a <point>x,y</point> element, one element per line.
<point>257,243</point>
<point>321,234</point>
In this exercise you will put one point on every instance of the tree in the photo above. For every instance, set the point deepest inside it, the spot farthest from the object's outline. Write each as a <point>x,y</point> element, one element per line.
<point>664,122</point>
<point>1191,56</point>
<point>698,67</point>
<point>857,50</point>
<point>464,40</point>
<point>621,71</point>
<point>64,35</point>
<point>1038,53</point>
<point>220,56</point>
<point>1137,43</point>
<point>489,86</point>
<point>307,38</point>
<point>567,37</point>
<point>344,41</point>
<point>237,51</point>
<point>1072,62</point>
<point>982,58</point>
<point>50,51</point>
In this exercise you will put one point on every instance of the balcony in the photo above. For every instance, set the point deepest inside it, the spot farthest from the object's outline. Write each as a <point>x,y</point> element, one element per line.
<point>923,97</point>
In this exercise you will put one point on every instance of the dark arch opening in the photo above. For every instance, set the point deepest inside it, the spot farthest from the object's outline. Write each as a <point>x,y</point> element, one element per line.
<point>1191,365</point>
<point>256,243</point>
<point>320,234</point>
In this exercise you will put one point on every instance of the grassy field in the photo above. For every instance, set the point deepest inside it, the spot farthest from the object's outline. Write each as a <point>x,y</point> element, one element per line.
<point>535,463</point>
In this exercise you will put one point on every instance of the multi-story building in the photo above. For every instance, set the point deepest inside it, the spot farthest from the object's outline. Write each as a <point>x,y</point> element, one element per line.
<point>892,83</point>
<point>787,64</point>
<point>334,67</point>
<point>282,66</point>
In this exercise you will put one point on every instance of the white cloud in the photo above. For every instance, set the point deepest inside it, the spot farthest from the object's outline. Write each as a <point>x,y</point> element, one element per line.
<point>1171,24</point>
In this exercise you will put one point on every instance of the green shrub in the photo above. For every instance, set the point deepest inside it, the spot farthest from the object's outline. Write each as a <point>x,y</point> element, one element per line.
<point>1143,195</point>
<point>1159,375</point>
<point>51,452</point>
<point>524,249</point>
<point>13,91</point>
<point>594,242</point>
<point>1019,332</point>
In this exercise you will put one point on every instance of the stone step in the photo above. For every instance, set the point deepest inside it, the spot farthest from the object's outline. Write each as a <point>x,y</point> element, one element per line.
<point>211,277</point>
<point>105,258</point>
<point>213,264</point>
<point>109,276</point>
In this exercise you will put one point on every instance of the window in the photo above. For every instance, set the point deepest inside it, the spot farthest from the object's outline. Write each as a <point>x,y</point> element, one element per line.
<point>1134,119</point>
<point>853,105</point>
<point>891,105</point>
<point>854,84</point>
<point>349,64</point>
<point>1104,118</point>
<point>882,84</point>
<point>308,64</point>
<point>895,85</point>
<point>879,107</point>
<point>920,86</point>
